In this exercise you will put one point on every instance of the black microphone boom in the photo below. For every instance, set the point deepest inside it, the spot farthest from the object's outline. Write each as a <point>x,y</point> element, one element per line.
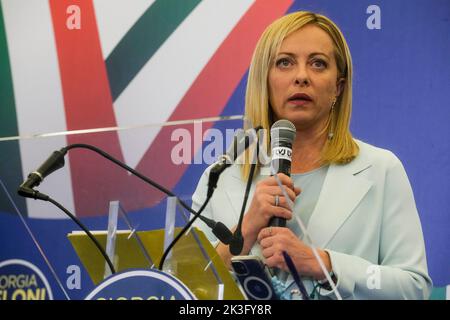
<point>240,143</point>
<point>282,135</point>
<point>56,161</point>
<point>53,163</point>
<point>218,228</point>
<point>237,243</point>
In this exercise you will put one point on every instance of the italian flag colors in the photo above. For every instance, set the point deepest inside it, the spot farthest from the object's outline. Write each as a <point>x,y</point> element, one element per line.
<point>74,65</point>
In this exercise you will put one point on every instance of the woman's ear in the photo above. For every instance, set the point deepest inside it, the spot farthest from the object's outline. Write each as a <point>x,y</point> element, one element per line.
<point>340,85</point>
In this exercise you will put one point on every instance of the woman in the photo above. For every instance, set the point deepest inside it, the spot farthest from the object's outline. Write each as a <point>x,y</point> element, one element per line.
<point>354,198</point>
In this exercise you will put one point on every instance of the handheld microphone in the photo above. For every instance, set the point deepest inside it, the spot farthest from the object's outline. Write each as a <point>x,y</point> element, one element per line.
<point>282,135</point>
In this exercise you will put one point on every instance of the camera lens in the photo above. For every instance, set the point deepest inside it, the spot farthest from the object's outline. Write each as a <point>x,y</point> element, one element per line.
<point>257,289</point>
<point>240,268</point>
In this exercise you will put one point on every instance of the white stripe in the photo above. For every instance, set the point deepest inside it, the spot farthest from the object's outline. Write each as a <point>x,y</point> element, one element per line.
<point>38,96</point>
<point>447,294</point>
<point>163,81</point>
<point>115,18</point>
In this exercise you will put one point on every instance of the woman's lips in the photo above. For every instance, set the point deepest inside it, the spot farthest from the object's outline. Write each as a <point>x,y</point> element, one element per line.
<point>299,99</point>
<point>299,102</point>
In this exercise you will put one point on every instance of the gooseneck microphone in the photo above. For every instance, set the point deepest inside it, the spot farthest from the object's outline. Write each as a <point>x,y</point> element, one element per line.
<point>237,242</point>
<point>26,189</point>
<point>56,161</point>
<point>282,135</point>
<point>241,141</point>
<point>53,163</point>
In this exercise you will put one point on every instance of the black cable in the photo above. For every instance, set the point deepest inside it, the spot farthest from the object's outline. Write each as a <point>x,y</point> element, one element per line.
<point>154,184</point>
<point>28,191</point>
<point>134,172</point>
<point>238,242</point>
<point>78,222</point>
<point>218,228</point>
<point>183,231</point>
<point>237,236</point>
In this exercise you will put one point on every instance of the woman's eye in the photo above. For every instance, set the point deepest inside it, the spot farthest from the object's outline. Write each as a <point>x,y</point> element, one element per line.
<point>319,64</point>
<point>283,63</point>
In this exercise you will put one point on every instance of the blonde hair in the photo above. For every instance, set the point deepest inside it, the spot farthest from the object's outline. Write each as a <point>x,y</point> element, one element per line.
<point>341,148</point>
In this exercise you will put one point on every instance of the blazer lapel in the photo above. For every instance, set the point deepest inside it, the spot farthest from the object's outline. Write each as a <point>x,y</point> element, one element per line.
<point>341,193</point>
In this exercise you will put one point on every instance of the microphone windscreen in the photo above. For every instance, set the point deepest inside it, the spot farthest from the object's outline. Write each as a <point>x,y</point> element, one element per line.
<point>222,233</point>
<point>282,131</point>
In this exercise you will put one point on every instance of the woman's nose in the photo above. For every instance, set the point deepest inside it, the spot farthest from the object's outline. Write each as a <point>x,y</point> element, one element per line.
<point>301,77</point>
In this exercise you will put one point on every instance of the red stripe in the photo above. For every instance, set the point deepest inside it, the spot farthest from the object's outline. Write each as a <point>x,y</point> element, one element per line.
<point>88,104</point>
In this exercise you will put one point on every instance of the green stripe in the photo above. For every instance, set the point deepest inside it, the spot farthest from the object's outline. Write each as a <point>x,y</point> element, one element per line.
<point>157,23</point>
<point>10,162</point>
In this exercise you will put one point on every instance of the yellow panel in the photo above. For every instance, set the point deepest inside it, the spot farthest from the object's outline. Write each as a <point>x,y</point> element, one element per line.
<point>188,261</point>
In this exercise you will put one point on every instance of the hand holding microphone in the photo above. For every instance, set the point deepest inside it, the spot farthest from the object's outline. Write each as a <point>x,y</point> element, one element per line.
<point>268,206</point>
<point>268,203</point>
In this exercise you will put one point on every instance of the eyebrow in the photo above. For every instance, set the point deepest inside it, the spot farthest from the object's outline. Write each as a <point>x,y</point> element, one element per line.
<point>309,56</point>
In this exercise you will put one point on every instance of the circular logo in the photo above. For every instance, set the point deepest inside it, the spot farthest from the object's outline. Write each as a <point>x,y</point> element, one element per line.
<point>141,285</point>
<point>22,280</point>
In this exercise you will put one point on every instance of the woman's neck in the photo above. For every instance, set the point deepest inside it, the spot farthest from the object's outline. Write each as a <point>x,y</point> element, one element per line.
<point>306,151</point>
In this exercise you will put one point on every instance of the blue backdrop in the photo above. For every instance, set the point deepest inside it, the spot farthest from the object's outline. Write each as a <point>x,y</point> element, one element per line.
<point>401,103</point>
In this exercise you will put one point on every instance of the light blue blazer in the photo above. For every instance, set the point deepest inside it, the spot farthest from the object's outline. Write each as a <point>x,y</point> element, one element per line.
<point>365,217</point>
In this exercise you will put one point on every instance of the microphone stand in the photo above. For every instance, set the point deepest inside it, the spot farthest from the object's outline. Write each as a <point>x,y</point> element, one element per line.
<point>218,228</point>
<point>212,184</point>
<point>26,190</point>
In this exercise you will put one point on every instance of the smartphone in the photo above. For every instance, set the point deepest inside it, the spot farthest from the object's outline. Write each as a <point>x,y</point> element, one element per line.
<point>254,277</point>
